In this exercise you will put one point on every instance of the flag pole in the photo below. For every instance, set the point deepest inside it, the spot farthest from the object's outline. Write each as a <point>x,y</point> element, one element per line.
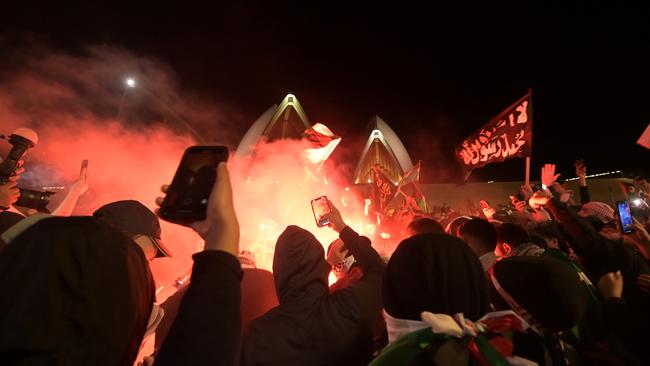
<point>527,181</point>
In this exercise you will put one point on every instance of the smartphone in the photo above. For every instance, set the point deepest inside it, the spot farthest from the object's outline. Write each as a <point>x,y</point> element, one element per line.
<point>579,163</point>
<point>625,216</point>
<point>484,204</point>
<point>320,207</point>
<point>84,168</point>
<point>187,197</point>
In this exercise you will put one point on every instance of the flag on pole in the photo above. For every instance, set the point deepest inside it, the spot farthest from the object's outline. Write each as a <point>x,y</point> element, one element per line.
<point>508,135</point>
<point>644,140</point>
<point>409,187</point>
<point>383,190</point>
<point>322,142</point>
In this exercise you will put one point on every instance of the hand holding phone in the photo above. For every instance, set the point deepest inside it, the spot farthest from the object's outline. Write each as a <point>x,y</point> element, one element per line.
<point>625,217</point>
<point>335,219</point>
<point>488,211</point>
<point>220,229</point>
<point>321,208</point>
<point>80,186</point>
<point>517,203</point>
<point>326,214</point>
<point>188,195</point>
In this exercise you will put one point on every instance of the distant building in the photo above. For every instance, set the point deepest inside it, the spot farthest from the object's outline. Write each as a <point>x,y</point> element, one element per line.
<point>385,150</point>
<point>286,121</point>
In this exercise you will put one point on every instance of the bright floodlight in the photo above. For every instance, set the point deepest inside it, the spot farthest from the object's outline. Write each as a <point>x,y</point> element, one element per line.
<point>637,202</point>
<point>130,82</point>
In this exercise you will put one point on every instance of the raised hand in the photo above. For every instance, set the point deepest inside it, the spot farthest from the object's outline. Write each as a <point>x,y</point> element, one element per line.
<point>488,211</point>
<point>80,186</point>
<point>518,204</point>
<point>581,171</point>
<point>9,192</point>
<point>539,199</point>
<point>548,175</point>
<point>611,285</point>
<point>220,229</point>
<point>334,216</point>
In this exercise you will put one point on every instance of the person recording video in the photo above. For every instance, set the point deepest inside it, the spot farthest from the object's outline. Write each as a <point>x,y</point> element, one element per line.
<point>32,201</point>
<point>9,192</point>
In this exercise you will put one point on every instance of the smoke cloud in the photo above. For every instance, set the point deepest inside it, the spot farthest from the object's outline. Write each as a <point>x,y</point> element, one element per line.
<point>133,138</point>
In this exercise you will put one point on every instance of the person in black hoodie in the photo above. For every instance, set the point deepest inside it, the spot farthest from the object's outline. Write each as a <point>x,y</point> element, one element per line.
<point>437,276</point>
<point>549,295</point>
<point>257,297</point>
<point>75,291</point>
<point>312,326</point>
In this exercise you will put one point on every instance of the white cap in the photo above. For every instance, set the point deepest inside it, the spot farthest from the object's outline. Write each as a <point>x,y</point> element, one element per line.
<point>27,133</point>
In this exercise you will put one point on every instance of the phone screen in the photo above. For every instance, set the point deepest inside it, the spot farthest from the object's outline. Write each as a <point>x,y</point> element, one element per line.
<point>625,215</point>
<point>320,207</point>
<point>187,197</point>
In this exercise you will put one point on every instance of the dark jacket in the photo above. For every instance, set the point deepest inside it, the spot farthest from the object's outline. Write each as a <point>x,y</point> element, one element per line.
<point>206,330</point>
<point>437,273</point>
<point>584,195</point>
<point>257,297</point>
<point>312,326</point>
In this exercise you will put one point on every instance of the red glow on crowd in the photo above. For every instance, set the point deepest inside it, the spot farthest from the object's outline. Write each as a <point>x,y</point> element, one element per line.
<point>273,189</point>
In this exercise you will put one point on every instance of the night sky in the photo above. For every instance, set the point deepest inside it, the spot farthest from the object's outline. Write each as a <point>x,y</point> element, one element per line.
<point>434,74</point>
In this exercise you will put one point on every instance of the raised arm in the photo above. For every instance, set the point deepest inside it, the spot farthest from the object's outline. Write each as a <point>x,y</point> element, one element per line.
<point>359,246</point>
<point>207,330</point>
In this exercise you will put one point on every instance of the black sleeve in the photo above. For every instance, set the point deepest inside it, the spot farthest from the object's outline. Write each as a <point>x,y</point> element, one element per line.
<point>600,256</point>
<point>363,296</point>
<point>616,315</point>
<point>208,326</point>
<point>360,247</point>
<point>584,195</point>
<point>614,312</point>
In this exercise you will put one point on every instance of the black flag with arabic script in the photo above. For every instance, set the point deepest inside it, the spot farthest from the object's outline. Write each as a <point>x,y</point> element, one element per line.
<point>508,135</point>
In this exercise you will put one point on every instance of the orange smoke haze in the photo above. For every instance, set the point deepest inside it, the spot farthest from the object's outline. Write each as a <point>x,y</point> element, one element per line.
<point>134,139</point>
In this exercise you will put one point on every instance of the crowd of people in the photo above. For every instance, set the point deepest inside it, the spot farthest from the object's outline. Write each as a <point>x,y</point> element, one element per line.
<point>553,281</point>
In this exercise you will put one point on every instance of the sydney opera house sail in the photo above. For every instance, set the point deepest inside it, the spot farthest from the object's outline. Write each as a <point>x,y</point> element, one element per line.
<point>384,150</point>
<point>286,121</point>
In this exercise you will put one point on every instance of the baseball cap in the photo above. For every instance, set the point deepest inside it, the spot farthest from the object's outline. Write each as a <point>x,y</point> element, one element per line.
<point>133,218</point>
